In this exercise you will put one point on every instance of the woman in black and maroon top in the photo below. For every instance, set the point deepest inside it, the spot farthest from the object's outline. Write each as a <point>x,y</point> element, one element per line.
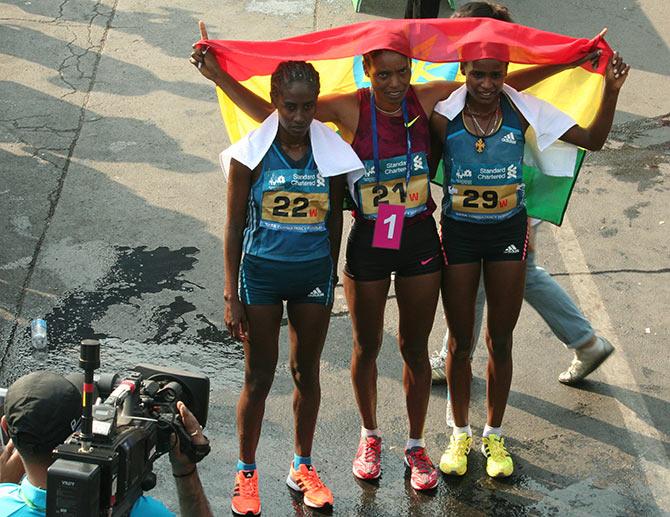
<point>391,113</point>
<point>391,116</point>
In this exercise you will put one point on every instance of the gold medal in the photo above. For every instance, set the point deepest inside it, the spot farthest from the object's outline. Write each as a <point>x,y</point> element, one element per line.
<point>480,145</point>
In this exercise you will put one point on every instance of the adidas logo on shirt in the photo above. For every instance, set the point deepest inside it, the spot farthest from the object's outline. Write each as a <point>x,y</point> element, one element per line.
<point>511,249</point>
<point>316,293</point>
<point>509,138</point>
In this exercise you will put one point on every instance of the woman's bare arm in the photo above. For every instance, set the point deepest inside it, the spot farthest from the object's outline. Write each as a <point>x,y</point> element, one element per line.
<point>432,92</point>
<point>237,195</point>
<point>594,136</point>
<point>256,107</point>
<point>527,77</point>
<point>335,108</point>
<point>438,130</point>
<point>337,186</point>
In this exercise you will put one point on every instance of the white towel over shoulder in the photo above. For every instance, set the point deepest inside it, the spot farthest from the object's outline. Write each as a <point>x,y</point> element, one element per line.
<point>547,125</point>
<point>332,155</point>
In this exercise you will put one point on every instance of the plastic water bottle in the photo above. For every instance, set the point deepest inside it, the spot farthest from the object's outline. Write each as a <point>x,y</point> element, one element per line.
<point>38,333</point>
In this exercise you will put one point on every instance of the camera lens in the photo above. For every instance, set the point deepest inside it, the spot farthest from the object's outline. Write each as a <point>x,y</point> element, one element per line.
<point>171,392</point>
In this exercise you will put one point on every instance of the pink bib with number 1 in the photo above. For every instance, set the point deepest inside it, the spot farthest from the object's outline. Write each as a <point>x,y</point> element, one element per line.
<point>388,226</point>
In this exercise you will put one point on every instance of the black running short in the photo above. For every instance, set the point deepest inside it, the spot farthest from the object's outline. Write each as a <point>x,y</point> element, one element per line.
<point>466,242</point>
<point>419,252</point>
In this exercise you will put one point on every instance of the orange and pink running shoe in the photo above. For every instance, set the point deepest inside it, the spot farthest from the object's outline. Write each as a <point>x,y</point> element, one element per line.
<point>423,474</point>
<point>305,479</point>
<point>368,460</point>
<point>245,499</point>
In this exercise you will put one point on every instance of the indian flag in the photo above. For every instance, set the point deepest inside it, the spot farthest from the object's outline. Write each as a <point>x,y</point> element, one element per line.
<point>436,47</point>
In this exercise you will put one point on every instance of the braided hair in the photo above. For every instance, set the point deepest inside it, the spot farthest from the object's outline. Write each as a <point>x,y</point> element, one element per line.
<point>288,72</point>
<point>483,10</point>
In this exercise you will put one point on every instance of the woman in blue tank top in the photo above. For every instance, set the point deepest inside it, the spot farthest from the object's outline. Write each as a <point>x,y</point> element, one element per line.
<point>484,223</point>
<point>281,243</point>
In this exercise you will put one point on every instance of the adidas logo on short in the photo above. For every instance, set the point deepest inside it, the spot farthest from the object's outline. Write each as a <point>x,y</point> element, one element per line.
<point>509,138</point>
<point>316,293</point>
<point>511,249</point>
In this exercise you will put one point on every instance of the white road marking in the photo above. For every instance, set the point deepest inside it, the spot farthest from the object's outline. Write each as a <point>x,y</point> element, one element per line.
<point>646,439</point>
<point>8,316</point>
<point>29,290</point>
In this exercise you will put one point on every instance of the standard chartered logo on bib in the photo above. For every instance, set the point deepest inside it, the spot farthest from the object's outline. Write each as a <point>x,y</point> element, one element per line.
<point>467,173</point>
<point>279,180</point>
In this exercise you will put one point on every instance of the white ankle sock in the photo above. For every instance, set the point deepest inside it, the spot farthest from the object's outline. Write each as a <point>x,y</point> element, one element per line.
<point>491,430</point>
<point>370,432</point>
<point>465,429</point>
<point>415,442</point>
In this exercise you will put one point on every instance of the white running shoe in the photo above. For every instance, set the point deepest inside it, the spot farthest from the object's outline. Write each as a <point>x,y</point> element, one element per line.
<point>585,361</point>
<point>437,374</point>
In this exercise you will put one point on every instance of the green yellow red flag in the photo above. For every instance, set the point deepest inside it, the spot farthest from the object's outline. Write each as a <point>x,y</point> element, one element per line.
<point>436,46</point>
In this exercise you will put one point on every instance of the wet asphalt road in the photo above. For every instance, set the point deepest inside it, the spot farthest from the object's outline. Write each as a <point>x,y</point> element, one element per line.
<point>111,208</point>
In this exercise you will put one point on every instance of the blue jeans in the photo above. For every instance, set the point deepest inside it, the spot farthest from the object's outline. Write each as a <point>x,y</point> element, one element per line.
<point>552,303</point>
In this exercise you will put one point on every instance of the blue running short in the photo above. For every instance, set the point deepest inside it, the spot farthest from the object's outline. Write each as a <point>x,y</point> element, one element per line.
<point>269,282</point>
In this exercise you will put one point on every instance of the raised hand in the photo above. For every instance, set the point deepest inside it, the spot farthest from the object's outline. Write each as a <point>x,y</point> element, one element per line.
<point>592,57</point>
<point>616,73</point>
<point>204,61</point>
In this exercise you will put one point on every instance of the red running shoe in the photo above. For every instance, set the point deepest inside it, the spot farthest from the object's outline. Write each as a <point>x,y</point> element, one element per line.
<point>423,474</point>
<point>245,499</point>
<point>368,460</point>
<point>315,493</point>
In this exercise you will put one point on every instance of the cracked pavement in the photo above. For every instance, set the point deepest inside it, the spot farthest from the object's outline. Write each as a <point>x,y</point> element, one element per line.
<point>111,208</point>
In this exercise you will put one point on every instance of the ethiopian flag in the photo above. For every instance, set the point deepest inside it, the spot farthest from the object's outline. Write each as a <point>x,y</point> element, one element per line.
<point>436,47</point>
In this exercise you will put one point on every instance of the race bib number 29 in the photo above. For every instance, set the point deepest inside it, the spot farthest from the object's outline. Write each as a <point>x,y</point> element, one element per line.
<point>477,199</point>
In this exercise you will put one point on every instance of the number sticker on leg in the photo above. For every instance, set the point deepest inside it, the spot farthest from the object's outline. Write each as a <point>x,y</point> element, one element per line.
<point>388,226</point>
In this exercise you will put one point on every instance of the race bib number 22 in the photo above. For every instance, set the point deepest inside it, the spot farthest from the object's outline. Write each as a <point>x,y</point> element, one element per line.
<point>295,207</point>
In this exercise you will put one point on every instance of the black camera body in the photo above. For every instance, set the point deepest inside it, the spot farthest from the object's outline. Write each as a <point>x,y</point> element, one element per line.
<point>107,465</point>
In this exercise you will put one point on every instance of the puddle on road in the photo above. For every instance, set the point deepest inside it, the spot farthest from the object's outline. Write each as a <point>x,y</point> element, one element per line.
<point>638,152</point>
<point>124,298</point>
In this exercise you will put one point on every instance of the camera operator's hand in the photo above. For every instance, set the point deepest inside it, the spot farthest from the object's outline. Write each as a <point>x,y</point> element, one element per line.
<point>192,499</point>
<point>11,466</point>
<point>181,464</point>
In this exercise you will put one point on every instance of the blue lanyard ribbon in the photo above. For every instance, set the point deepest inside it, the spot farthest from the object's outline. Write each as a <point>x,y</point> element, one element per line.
<point>375,139</point>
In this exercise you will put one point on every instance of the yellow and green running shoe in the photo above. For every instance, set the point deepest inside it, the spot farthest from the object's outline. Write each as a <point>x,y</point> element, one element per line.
<point>498,461</point>
<point>455,458</point>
